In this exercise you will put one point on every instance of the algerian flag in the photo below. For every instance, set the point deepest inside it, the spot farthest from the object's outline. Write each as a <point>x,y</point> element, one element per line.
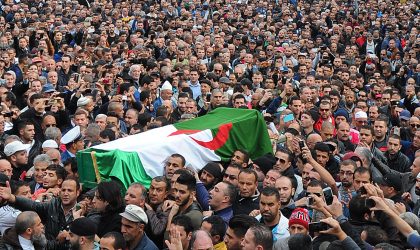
<point>140,157</point>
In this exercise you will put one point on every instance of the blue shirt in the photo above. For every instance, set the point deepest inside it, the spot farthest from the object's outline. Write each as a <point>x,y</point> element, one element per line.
<point>196,89</point>
<point>146,244</point>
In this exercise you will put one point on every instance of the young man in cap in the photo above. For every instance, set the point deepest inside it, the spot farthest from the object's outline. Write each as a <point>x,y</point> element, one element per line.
<point>74,142</point>
<point>133,222</point>
<point>16,153</point>
<point>211,174</point>
<point>82,233</point>
<point>298,224</point>
<point>391,186</point>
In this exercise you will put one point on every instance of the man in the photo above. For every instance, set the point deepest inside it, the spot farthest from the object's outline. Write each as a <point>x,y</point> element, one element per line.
<point>325,115</point>
<point>361,176</point>
<point>51,182</point>
<point>133,222</point>
<point>181,107</point>
<point>82,234</point>
<point>308,119</point>
<point>248,199</point>
<point>182,224</point>
<point>74,142</point>
<point>56,213</point>
<point>391,186</point>
<point>6,168</point>
<point>131,117</point>
<point>18,157</point>
<point>236,230</point>
<point>270,214</point>
<point>380,127</point>
<point>28,233</point>
<point>216,227</point>
<point>323,157</point>
<point>112,241</point>
<point>239,101</point>
<point>286,190</point>
<point>346,174</point>
<point>270,178</point>
<point>298,224</point>
<point>360,119</point>
<point>173,163</point>
<point>241,157</point>
<point>136,195</point>
<point>396,159</point>
<point>257,237</point>
<point>231,173</point>
<point>158,219</point>
<point>284,159</point>
<point>222,197</point>
<point>211,174</point>
<point>184,204</point>
<point>165,95</point>
<point>201,239</point>
<point>366,140</point>
<point>343,135</point>
<point>26,131</point>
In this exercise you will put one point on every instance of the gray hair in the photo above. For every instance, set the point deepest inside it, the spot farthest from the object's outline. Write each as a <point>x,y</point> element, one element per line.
<point>93,130</point>
<point>52,133</point>
<point>42,158</point>
<point>24,221</point>
<point>130,72</point>
<point>99,116</point>
<point>412,220</point>
<point>364,153</point>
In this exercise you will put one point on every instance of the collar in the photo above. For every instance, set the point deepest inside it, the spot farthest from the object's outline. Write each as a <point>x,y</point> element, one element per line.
<point>25,243</point>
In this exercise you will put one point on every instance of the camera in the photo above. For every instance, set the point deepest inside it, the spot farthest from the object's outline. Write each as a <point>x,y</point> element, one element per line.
<point>310,201</point>
<point>369,203</point>
<point>362,190</point>
<point>318,226</point>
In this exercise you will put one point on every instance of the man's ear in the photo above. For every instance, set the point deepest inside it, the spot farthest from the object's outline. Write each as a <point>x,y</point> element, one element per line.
<point>189,236</point>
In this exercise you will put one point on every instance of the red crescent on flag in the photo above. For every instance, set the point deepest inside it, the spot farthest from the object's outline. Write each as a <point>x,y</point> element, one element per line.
<point>219,140</point>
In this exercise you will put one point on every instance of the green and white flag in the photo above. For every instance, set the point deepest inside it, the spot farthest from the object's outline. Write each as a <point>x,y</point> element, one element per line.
<point>139,158</point>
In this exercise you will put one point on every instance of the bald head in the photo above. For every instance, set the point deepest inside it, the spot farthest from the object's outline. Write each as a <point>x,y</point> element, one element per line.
<point>54,155</point>
<point>312,140</point>
<point>6,168</point>
<point>201,240</point>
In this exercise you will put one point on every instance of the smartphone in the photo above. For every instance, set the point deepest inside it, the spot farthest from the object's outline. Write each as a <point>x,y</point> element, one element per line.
<point>77,206</point>
<point>288,118</point>
<point>318,226</point>
<point>309,201</point>
<point>208,97</point>
<point>76,77</point>
<point>394,103</point>
<point>362,190</point>
<point>8,114</point>
<point>369,203</point>
<point>328,195</point>
<point>301,145</point>
<point>124,98</point>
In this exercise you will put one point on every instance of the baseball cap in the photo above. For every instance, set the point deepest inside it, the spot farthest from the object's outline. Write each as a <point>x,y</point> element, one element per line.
<point>284,69</point>
<point>300,216</point>
<point>390,180</point>
<point>48,88</point>
<point>14,147</point>
<point>135,214</point>
<point>83,226</point>
<point>49,144</point>
<point>405,115</point>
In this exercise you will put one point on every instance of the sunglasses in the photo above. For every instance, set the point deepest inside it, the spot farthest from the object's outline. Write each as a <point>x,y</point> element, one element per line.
<point>282,161</point>
<point>51,125</point>
<point>415,125</point>
<point>230,177</point>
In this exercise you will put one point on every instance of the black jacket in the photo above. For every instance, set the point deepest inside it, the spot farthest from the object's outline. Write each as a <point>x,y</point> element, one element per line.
<point>246,205</point>
<point>399,162</point>
<point>109,222</point>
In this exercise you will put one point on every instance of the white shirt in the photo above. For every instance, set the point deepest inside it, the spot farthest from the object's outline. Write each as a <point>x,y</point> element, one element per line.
<point>8,217</point>
<point>26,244</point>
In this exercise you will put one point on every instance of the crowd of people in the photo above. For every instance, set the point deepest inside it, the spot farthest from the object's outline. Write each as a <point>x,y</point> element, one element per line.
<point>337,82</point>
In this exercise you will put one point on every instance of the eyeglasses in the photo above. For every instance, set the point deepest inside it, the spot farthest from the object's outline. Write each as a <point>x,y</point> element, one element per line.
<point>348,173</point>
<point>282,161</point>
<point>324,110</point>
<point>51,125</point>
<point>229,176</point>
<point>415,125</point>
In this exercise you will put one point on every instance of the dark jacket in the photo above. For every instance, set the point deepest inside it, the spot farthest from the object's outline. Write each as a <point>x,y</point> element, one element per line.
<point>51,214</point>
<point>146,243</point>
<point>11,240</point>
<point>399,162</point>
<point>109,222</point>
<point>246,205</point>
